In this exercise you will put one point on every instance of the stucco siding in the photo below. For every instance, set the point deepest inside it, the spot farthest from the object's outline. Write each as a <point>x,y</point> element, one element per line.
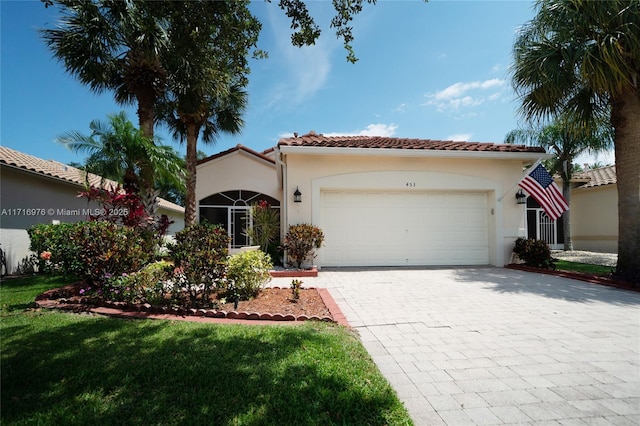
<point>594,219</point>
<point>238,170</point>
<point>178,220</point>
<point>24,193</point>
<point>313,173</point>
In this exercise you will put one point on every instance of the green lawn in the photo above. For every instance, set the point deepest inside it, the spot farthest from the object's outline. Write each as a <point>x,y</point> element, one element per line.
<point>77,369</point>
<point>564,265</point>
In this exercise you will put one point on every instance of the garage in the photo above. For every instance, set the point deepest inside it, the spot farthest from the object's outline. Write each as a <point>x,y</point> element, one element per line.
<point>394,228</point>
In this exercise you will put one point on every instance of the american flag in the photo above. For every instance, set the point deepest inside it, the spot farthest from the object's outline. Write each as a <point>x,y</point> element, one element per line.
<point>540,185</point>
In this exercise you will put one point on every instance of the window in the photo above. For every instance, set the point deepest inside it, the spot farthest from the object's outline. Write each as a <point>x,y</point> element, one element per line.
<point>231,210</point>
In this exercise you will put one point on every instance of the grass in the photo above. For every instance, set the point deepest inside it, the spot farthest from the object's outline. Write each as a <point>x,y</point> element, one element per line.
<point>564,265</point>
<point>76,369</point>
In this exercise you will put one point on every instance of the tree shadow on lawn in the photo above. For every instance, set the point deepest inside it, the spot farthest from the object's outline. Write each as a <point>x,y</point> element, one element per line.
<point>93,370</point>
<point>14,290</point>
<point>515,281</point>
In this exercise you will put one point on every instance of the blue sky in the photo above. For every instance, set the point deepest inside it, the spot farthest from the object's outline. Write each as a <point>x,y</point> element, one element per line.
<point>436,70</point>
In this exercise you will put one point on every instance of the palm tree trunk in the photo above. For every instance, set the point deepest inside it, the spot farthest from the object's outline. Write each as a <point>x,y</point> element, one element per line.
<point>624,116</point>
<point>146,102</point>
<point>190,201</point>
<point>566,217</point>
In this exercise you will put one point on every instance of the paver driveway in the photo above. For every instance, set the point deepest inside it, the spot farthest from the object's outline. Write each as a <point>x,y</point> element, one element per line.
<point>496,346</point>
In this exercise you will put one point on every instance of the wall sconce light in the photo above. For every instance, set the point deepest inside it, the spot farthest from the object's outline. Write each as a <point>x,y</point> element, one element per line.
<point>297,196</point>
<point>520,197</point>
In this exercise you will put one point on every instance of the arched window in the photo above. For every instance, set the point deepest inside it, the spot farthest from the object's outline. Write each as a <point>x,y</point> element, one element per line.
<point>231,210</point>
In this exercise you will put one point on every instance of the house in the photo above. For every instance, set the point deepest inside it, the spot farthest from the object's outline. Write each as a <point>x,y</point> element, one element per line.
<point>593,210</point>
<point>33,191</point>
<point>380,201</point>
<point>230,182</point>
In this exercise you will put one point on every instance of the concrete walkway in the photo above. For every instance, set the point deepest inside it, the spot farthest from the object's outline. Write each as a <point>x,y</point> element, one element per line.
<point>496,346</point>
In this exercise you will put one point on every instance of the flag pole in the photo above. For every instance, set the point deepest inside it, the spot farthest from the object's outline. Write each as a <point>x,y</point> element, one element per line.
<point>526,172</point>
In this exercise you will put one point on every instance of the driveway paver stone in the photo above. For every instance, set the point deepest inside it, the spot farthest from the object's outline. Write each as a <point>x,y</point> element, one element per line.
<point>484,345</point>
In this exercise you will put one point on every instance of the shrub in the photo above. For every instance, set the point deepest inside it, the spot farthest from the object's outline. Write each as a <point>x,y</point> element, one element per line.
<point>301,242</point>
<point>55,240</point>
<point>93,251</point>
<point>125,207</point>
<point>248,273</point>
<point>145,286</point>
<point>535,253</point>
<point>266,226</point>
<point>200,254</point>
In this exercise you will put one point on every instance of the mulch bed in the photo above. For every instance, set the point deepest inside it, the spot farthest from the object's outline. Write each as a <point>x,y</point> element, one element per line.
<point>273,304</point>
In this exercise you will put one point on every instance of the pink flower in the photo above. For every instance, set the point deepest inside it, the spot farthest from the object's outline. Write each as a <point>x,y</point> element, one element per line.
<point>45,255</point>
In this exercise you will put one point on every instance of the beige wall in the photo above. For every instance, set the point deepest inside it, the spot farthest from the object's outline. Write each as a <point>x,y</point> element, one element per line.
<point>594,219</point>
<point>312,173</point>
<point>176,217</point>
<point>22,194</point>
<point>238,170</point>
<point>24,190</point>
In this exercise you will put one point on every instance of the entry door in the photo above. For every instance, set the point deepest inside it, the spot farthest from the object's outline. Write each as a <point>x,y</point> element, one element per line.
<point>239,221</point>
<point>541,227</point>
<point>546,229</point>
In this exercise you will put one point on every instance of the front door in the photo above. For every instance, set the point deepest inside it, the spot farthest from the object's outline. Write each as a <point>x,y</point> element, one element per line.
<point>239,221</point>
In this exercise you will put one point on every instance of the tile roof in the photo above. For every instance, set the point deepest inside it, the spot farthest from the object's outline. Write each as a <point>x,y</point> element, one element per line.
<point>238,147</point>
<point>63,172</point>
<point>598,177</point>
<point>318,140</point>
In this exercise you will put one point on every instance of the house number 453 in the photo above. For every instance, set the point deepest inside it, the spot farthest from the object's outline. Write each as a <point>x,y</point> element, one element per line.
<point>410,184</point>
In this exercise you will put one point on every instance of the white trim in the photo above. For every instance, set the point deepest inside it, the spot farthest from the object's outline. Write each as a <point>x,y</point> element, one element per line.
<point>238,151</point>
<point>427,153</point>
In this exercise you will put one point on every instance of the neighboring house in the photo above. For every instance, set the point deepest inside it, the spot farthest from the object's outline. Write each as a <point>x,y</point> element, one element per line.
<point>33,191</point>
<point>380,201</point>
<point>594,213</point>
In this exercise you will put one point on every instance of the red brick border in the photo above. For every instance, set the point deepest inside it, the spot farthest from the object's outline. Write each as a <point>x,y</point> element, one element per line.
<point>122,310</point>
<point>292,273</point>
<point>592,279</point>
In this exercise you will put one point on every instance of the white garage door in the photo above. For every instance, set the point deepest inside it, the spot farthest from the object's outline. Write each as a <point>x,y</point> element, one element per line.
<point>404,228</point>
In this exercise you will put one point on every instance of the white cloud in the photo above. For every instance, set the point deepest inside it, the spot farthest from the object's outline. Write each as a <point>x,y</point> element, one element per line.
<point>401,108</point>
<point>465,94</point>
<point>285,135</point>
<point>466,137</point>
<point>305,69</point>
<point>497,68</point>
<point>378,129</point>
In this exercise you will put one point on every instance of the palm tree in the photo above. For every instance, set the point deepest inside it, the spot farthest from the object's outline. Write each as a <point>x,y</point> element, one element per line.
<point>581,58</point>
<point>119,151</point>
<point>117,46</point>
<point>208,70</point>
<point>216,115</point>
<point>566,142</point>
